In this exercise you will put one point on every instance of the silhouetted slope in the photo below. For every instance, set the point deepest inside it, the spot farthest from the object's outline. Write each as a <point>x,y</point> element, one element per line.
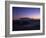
<point>26,24</point>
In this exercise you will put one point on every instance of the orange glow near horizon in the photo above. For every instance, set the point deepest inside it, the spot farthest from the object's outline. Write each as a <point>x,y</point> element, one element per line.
<point>35,17</point>
<point>32,17</point>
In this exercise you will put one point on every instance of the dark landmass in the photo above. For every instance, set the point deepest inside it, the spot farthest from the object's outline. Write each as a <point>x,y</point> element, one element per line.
<point>26,24</point>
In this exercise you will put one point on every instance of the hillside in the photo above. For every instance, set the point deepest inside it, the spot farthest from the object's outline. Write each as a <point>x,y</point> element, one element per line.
<point>26,24</point>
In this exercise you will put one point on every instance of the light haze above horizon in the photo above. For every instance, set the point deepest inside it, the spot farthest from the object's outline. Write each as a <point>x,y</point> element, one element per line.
<point>21,12</point>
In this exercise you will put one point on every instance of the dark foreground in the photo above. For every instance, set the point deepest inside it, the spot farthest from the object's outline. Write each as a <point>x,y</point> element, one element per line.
<point>26,24</point>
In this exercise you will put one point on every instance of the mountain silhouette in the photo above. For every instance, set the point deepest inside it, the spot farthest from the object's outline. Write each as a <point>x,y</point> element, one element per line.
<point>26,24</point>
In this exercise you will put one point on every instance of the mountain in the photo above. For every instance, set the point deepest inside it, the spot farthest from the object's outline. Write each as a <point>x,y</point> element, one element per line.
<point>26,24</point>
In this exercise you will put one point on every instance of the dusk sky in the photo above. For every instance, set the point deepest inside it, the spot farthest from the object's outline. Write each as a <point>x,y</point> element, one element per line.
<point>21,12</point>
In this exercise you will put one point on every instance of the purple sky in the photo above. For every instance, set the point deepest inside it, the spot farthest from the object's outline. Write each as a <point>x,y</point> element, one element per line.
<point>20,12</point>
